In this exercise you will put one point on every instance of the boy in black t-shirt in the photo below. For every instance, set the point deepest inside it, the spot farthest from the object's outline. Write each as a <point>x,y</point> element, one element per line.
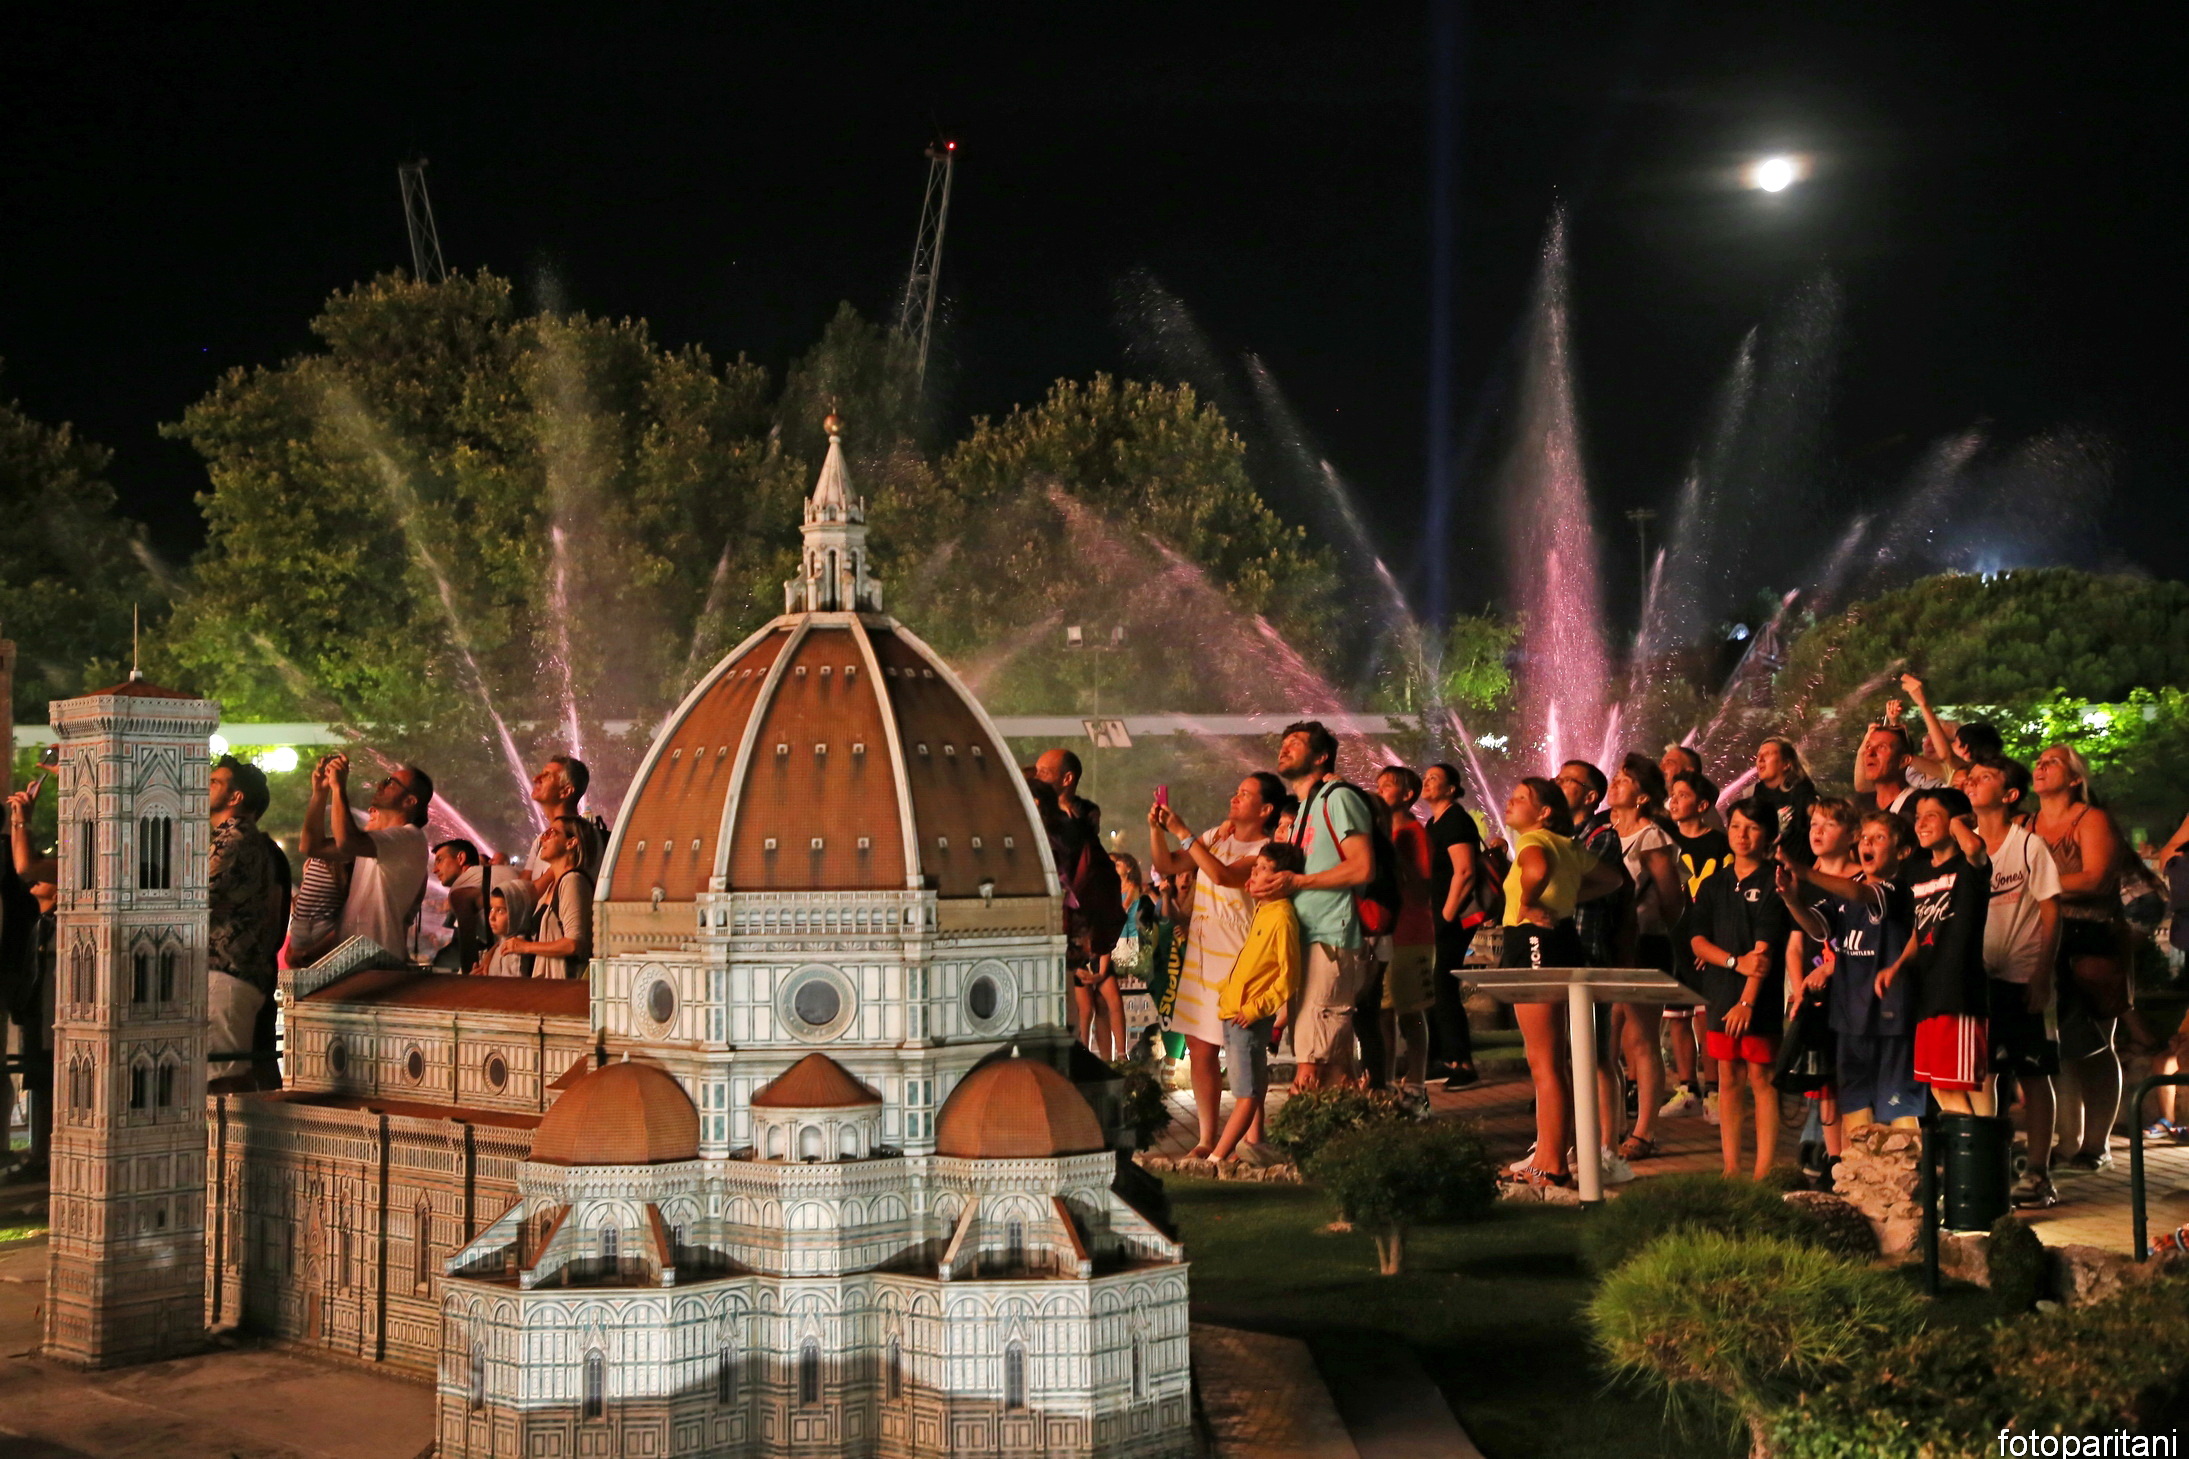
<point>1950,880</point>
<point>1703,850</point>
<point>1738,933</point>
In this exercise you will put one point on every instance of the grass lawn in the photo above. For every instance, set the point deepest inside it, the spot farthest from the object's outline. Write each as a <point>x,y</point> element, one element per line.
<point>1493,1311</point>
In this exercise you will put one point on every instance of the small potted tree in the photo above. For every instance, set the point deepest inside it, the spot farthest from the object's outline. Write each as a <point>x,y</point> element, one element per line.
<point>1389,1177</point>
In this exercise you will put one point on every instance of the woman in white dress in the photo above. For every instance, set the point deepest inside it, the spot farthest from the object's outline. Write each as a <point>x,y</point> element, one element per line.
<point>1224,857</point>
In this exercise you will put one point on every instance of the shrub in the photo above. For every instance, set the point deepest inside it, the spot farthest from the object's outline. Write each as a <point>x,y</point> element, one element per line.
<point>1696,1203</point>
<point>1142,1110</point>
<point>1388,1176</point>
<point>1306,1122</point>
<point>1838,1224</point>
<point>1949,1391</point>
<point>2014,1261</point>
<point>1752,1321</point>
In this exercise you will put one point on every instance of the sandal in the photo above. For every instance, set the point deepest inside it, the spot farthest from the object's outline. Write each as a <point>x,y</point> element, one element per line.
<point>1529,1175</point>
<point>1637,1147</point>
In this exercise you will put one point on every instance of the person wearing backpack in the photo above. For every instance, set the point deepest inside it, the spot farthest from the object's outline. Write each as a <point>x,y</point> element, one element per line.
<point>1336,832</point>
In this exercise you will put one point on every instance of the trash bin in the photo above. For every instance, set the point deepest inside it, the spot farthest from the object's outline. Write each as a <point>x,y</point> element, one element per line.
<point>1976,1152</point>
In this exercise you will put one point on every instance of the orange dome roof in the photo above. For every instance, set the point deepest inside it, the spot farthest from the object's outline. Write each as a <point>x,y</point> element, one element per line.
<point>620,1114</point>
<point>1016,1109</point>
<point>831,751</point>
<point>814,1082</point>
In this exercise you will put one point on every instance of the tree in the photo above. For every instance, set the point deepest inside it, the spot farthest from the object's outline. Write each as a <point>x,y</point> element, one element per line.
<point>2000,644</point>
<point>1390,1177</point>
<point>70,568</point>
<point>466,528</point>
<point>1112,505</point>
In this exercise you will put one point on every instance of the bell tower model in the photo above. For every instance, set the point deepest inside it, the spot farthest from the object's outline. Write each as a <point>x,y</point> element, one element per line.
<point>833,574</point>
<point>127,1276</point>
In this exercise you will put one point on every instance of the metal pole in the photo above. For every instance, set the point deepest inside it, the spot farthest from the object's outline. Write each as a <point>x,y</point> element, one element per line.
<point>1927,1193</point>
<point>2139,1217</point>
<point>1587,1137</point>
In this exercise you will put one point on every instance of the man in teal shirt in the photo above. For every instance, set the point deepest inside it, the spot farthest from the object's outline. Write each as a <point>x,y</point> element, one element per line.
<point>1332,828</point>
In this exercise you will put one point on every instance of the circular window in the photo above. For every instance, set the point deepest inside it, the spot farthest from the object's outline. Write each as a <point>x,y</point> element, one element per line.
<point>414,1064</point>
<point>817,1002</point>
<point>338,1056</point>
<point>661,1002</point>
<point>497,1071</point>
<point>990,998</point>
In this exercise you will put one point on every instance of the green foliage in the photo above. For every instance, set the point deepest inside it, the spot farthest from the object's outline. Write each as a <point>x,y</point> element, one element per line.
<point>2014,1260</point>
<point>70,568</point>
<point>1753,1321</point>
<point>1697,1204</point>
<point>2008,642</point>
<point>387,502</point>
<point>1143,1109</point>
<point>1390,1176</point>
<point>2138,748</point>
<point>1307,1121</point>
<point>1948,1392</point>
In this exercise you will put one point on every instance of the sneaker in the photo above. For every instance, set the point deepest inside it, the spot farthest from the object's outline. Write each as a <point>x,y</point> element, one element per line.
<point>2034,1192</point>
<point>1710,1106</point>
<point>1683,1102</point>
<point>1415,1101</point>
<point>1461,1076</point>
<point>2102,1160</point>
<point>1616,1170</point>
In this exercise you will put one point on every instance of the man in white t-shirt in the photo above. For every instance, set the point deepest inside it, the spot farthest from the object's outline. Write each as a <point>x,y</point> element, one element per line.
<point>388,854</point>
<point>2021,936</point>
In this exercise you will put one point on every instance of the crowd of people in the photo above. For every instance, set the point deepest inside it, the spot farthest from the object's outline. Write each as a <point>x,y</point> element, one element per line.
<point>365,869</point>
<point>1949,938</point>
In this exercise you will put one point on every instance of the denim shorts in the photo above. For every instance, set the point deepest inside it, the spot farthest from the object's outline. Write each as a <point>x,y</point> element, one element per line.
<point>1246,1057</point>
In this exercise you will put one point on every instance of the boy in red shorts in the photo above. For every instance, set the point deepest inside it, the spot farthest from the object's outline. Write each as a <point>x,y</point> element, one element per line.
<point>1738,932</point>
<point>1950,880</point>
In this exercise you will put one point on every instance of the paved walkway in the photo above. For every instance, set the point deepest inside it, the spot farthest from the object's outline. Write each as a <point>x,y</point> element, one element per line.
<point>2094,1208</point>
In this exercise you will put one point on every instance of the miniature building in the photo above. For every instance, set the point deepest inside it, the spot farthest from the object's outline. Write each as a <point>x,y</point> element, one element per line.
<point>794,1170</point>
<point>126,1274</point>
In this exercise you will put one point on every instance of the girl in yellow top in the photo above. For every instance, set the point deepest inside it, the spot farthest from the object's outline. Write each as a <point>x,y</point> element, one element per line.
<point>1255,1001</point>
<point>1551,875</point>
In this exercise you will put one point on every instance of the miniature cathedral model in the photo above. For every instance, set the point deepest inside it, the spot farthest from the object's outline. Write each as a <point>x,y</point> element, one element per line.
<point>799,1168</point>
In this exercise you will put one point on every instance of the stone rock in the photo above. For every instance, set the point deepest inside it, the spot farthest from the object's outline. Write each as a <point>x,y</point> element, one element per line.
<point>1877,1175</point>
<point>2086,1274</point>
<point>1964,1256</point>
<point>1547,1195</point>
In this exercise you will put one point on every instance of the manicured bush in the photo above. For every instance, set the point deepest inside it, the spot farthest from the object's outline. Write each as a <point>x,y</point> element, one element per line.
<point>1143,1109</point>
<point>1389,1176</point>
<point>1749,1321</point>
<point>1949,1391</point>
<point>1304,1123</point>
<point>1838,1224</point>
<point>1696,1203</point>
<point>2014,1261</point>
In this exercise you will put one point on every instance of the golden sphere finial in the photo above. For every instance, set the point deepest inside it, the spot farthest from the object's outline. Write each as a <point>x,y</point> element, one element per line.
<point>833,424</point>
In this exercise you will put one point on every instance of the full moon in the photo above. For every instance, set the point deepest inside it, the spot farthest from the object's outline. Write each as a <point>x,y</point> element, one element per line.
<point>1774,174</point>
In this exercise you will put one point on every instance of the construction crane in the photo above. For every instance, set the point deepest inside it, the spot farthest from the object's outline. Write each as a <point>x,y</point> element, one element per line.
<point>916,316</point>
<point>425,240</point>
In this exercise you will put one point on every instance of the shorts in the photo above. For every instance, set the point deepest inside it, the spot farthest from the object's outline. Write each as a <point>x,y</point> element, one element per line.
<point>1952,1051</point>
<point>231,1007</point>
<point>1749,1048</point>
<point>1324,1025</point>
<point>1530,946</point>
<point>2083,1032</point>
<point>1246,1057</point>
<point>1878,1074</point>
<point>1410,985</point>
<point>2019,1042</point>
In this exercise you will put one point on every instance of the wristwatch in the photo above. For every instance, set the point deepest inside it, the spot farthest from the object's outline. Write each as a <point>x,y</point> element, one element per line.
<point>1732,963</point>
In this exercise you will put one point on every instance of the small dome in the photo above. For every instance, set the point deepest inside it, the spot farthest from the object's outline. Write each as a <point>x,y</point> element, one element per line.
<point>814,1082</point>
<point>1016,1109</point>
<point>620,1114</point>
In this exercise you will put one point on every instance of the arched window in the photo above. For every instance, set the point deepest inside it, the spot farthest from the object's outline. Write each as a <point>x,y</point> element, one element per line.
<point>725,1375</point>
<point>809,1143</point>
<point>1014,1376</point>
<point>80,1086</point>
<point>596,1384</point>
<point>1014,1246</point>
<point>140,976</point>
<point>608,1235</point>
<point>893,1374</point>
<point>164,1095</point>
<point>87,855</point>
<point>167,975</point>
<point>82,967</point>
<point>421,1244</point>
<point>140,1085</point>
<point>155,853</point>
<point>478,1376</point>
<point>1140,1376</point>
<point>809,1372</point>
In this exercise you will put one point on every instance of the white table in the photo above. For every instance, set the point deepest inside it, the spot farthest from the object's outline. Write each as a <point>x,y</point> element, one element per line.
<point>1582,988</point>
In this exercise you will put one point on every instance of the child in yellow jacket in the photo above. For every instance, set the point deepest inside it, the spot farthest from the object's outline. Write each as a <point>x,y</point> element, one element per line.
<point>1256,1000</point>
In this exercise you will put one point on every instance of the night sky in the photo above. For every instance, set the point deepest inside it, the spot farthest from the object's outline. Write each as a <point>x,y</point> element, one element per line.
<point>1997,194</point>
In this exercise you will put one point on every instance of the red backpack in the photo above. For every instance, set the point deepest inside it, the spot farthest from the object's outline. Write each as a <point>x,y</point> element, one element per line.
<point>1377,899</point>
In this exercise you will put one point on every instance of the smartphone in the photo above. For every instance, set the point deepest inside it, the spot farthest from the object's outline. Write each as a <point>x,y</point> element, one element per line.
<point>1163,796</point>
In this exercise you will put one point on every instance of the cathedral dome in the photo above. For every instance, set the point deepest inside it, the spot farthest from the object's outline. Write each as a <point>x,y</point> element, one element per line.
<point>620,1114</point>
<point>830,751</point>
<point>1016,1109</point>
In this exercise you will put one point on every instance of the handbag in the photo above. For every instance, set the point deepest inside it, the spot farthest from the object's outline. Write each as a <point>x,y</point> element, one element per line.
<point>1808,1050</point>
